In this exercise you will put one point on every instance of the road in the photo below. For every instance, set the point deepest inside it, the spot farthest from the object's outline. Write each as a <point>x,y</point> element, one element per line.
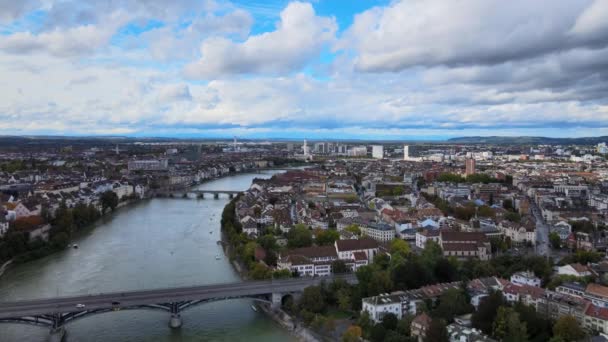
<point>542,231</point>
<point>151,297</point>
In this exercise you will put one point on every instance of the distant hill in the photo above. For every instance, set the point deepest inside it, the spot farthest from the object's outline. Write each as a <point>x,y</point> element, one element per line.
<point>526,140</point>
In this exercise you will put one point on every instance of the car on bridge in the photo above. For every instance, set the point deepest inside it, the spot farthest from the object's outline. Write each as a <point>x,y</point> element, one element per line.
<point>80,306</point>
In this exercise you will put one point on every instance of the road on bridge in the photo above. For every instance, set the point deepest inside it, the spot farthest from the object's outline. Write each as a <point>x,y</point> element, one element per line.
<point>150,297</point>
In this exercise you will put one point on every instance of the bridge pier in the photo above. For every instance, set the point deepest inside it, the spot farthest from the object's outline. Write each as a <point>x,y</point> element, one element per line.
<point>216,195</point>
<point>57,335</point>
<point>277,299</point>
<point>176,321</point>
<point>231,195</point>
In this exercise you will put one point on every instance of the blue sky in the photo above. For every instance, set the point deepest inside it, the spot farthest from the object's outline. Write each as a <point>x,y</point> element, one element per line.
<point>365,69</point>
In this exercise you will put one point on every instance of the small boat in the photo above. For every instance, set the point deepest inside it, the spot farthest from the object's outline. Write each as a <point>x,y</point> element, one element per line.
<point>254,308</point>
<point>75,246</point>
<point>217,257</point>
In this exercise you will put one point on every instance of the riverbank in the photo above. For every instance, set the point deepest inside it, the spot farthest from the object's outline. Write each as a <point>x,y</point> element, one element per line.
<point>299,331</point>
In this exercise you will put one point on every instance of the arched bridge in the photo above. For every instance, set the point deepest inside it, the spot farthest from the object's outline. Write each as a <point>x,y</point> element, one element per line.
<point>56,312</point>
<point>200,193</point>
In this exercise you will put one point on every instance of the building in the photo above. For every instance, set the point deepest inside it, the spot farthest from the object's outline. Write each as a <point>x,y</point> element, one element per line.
<point>460,333</point>
<point>525,278</point>
<point>357,151</point>
<point>377,151</point>
<point>378,231</point>
<point>464,245</point>
<point>577,270</point>
<point>420,325</point>
<point>349,249</point>
<point>470,167</point>
<point>148,165</point>
<point>378,306</point>
<point>406,152</point>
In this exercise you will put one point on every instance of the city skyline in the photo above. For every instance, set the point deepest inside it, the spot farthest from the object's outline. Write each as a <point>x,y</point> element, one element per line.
<point>388,70</point>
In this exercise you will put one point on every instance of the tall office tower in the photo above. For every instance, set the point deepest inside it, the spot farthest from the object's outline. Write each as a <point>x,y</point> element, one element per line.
<point>470,167</point>
<point>406,152</point>
<point>378,151</point>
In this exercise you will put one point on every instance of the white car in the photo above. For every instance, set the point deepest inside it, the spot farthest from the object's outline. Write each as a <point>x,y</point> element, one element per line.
<point>80,306</point>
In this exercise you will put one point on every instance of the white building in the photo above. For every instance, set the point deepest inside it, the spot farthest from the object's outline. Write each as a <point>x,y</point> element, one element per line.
<point>525,278</point>
<point>377,151</point>
<point>406,152</point>
<point>357,151</point>
<point>379,306</point>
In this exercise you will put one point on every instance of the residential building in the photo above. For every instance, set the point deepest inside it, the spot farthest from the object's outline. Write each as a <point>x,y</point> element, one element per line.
<point>470,167</point>
<point>377,151</point>
<point>525,278</point>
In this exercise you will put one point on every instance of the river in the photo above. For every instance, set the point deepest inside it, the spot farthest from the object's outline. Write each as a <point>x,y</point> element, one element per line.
<point>152,244</point>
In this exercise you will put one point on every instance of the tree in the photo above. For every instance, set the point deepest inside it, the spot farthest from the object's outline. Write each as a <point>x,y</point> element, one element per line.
<point>389,321</point>
<point>568,329</point>
<point>327,237</point>
<point>268,242</point>
<point>299,236</point>
<point>485,211</point>
<point>352,334</point>
<point>483,318</point>
<point>507,326</point>
<point>446,271</point>
<point>378,333</point>
<point>339,266</point>
<point>260,271</point>
<point>344,302</point>
<point>353,228</point>
<point>312,299</point>
<point>452,302</point>
<point>555,240</point>
<point>401,247</point>
<point>108,199</point>
<point>281,274</point>
<point>437,331</point>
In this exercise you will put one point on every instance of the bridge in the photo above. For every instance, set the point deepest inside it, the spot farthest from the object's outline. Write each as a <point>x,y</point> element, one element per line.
<point>55,313</point>
<point>201,193</point>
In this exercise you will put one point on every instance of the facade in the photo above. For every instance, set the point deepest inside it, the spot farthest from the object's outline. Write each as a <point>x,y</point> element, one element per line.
<point>377,151</point>
<point>378,231</point>
<point>525,278</point>
<point>149,165</point>
<point>470,167</point>
<point>378,306</point>
<point>464,245</point>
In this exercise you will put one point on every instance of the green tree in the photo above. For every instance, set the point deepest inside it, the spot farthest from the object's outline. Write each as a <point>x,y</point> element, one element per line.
<point>353,228</point>
<point>344,302</point>
<point>555,240</point>
<point>446,270</point>
<point>327,237</point>
<point>567,328</point>
<point>339,267</point>
<point>508,327</point>
<point>377,333</point>
<point>312,300</point>
<point>268,242</point>
<point>401,247</point>
<point>389,321</point>
<point>485,211</point>
<point>485,315</point>
<point>452,302</point>
<point>281,274</point>
<point>437,331</point>
<point>352,334</point>
<point>109,200</point>
<point>299,236</point>
<point>260,271</point>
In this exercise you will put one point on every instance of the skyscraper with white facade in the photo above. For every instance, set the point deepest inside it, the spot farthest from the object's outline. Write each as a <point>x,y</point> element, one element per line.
<point>406,152</point>
<point>378,151</point>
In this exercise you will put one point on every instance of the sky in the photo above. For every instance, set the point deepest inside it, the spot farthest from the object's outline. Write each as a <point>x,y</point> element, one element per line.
<point>339,69</point>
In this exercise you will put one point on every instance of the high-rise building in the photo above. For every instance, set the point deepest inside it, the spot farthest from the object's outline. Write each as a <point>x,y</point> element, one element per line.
<point>406,152</point>
<point>378,151</point>
<point>469,167</point>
